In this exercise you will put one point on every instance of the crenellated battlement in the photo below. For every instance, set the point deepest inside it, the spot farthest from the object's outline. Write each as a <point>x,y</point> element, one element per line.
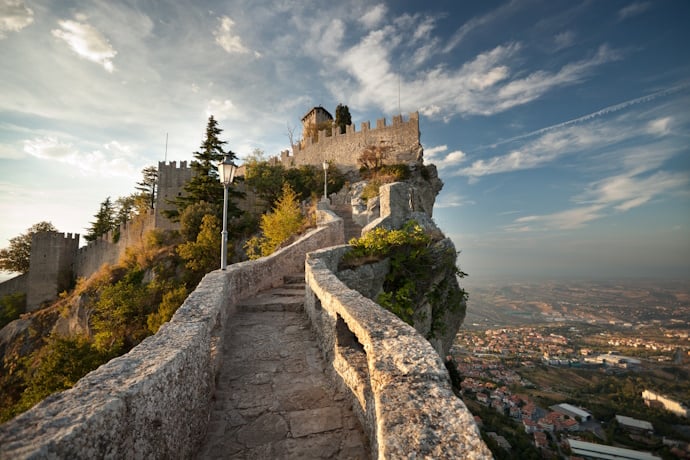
<point>402,138</point>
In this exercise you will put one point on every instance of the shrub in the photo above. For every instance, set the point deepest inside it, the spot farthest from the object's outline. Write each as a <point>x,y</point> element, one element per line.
<point>11,306</point>
<point>277,227</point>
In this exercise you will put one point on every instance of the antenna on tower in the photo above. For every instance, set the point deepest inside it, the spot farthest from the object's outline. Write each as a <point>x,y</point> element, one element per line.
<point>399,111</point>
<point>166,148</point>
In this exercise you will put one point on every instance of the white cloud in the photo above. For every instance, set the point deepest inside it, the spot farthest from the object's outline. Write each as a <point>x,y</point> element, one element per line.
<point>221,110</point>
<point>227,39</point>
<point>86,41</point>
<point>374,16</point>
<point>478,22</point>
<point>14,16</point>
<point>111,163</point>
<point>452,200</point>
<point>660,126</point>
<point>444,161</point>
<point>563,220</point>
<point>50,148</point>
<point>633,9</point>
<point>630,190</point>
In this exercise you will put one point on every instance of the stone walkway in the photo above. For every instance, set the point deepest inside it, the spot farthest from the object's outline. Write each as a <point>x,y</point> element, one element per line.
<point>273,398</point>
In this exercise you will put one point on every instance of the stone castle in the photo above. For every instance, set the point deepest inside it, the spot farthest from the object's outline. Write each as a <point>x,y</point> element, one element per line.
<point>57,260</point>
<point>157,401</point>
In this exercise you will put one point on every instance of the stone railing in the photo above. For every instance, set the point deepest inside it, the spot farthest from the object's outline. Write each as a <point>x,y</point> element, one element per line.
<point>154,402</point>
<point>400,389</point>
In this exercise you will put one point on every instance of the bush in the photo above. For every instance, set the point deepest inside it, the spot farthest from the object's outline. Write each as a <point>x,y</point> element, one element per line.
<point>11,307</point>
<point>277,227</point>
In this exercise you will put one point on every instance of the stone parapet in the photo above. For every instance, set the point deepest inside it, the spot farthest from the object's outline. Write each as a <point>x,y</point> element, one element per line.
<point>154,402</point>
<point>399,387</point>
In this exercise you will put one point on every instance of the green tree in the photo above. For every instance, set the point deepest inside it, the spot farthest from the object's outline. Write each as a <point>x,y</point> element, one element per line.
<point>202,255</point>
<point>11,306</point>
<point>147,186</point>
<point>59,365</point>
<point>17,256</point>
<point>205,184</point>
<point>119,316</point>
<point>105,221</point>
<point>167,308</point>
<point>193,216</point>
<point>342,117</point>
<point>278,226</point>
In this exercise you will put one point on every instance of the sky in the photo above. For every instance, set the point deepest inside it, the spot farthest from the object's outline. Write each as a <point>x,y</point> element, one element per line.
<point>561,129</point>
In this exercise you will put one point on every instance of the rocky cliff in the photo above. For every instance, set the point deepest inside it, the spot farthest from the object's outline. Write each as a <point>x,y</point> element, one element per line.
<point>439,301</point>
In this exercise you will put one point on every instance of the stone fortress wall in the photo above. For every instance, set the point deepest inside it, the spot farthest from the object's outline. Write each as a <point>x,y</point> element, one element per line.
<point>343,150</point>
<point>51,264</point>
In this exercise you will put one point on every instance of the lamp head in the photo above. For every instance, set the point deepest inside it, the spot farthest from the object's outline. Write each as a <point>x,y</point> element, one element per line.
<point>227,170</point>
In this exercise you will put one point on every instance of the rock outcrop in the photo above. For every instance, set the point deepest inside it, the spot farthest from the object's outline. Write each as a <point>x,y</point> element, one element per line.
<point>441,311</point>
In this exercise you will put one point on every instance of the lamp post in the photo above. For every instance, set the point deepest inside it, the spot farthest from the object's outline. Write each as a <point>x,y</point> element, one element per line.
<point>325,180</point>
<point>226,170</point>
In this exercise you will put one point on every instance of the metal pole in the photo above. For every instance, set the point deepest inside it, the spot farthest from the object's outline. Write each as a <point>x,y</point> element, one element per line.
<point>224,237</point>
<point>325,182</point>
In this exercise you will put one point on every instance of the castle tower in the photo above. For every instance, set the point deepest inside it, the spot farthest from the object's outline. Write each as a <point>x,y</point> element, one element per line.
<point>171,181</point>
<point>314,121</point>
<point>50,267</point>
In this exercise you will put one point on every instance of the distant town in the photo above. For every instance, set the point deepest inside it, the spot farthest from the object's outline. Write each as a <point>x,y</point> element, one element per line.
<point>577,369</point>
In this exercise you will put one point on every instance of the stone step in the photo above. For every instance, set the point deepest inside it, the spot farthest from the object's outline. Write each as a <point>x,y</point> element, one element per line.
<point>275,303</point>
<point>295,278</point>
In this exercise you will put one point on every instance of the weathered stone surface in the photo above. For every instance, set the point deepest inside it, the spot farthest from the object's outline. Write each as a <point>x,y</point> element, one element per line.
<point>366,279</point>
<point>289,410</point>
<point>410,409</point>
<point>311,421</point>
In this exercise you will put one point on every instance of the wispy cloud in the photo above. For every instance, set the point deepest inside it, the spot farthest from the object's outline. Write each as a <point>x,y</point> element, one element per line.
<point>563,39</point>
<point>479,22</point>
<point>630,190</point>
<point>228,40</point>
<point>374,16</point>
<point>452,200</point>
<point>86,41</point>
<point>221,110</point>
<point>114,161</point>
<point>605,111</point>
<point>563,220</point>
<point>14,16</point>
<point>633,10</point>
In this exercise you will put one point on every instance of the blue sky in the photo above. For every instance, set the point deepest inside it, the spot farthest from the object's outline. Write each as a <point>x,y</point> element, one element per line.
<point>561,129</point>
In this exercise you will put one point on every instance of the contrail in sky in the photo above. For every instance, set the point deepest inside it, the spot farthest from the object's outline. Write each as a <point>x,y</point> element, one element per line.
<point>598,113</point>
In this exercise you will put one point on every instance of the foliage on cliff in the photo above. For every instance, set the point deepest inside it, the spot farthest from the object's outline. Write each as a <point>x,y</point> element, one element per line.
<point>416,260</point>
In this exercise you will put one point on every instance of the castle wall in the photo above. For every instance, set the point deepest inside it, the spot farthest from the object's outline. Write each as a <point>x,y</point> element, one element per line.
<point>105,250</point>
<point>171,181</point>
<point>50,266</point>
<point>14,285</point>
<point>343,150</point>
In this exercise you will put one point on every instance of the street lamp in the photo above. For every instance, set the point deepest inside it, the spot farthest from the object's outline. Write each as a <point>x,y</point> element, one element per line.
<point>325,180</point>
<point>226,170</point>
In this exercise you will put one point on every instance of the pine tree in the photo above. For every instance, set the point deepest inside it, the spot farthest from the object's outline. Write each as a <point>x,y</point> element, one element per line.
<point>342,117</point>
<point>105,221</point>
<point>205,184</point>
<point>147,186</point>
